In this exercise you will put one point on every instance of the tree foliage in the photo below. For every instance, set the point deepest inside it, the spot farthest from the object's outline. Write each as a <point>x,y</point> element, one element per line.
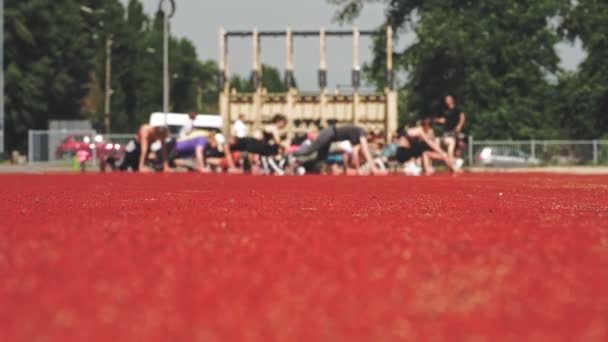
<point>583,96</point>
<point>47,64</point>
<point>55,61</point>
<point>271,81</point>
<point>498,58</point>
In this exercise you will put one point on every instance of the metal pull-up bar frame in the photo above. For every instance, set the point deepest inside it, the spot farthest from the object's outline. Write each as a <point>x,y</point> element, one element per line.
<point>289,35</point>
<point>294,106</point>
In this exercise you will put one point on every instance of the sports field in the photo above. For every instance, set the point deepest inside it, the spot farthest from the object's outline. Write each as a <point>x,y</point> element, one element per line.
<point>188,257</point>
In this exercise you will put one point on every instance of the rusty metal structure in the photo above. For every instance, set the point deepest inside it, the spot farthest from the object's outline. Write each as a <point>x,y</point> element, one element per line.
<point>376,111</point>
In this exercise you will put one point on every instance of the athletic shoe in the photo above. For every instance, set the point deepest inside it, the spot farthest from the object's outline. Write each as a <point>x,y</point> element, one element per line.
<point>458,163</point>
<point>411,169</point>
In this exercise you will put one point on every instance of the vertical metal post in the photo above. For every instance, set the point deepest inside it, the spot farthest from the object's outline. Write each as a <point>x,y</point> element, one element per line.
<point>322,50</point>
<point>533,148</point>
<point>356,75</point>
<point>389,58</point>
<point>323,76</point>
<point>257,74</point>
<point>224,99</point>
<point>94,157</point>
<point>30,147</point>
<point>289,56</point>
<point>291,92</point>
<point>596,159</point>
<point>108,91</point>
<point>471,156</point>
<point>166,65</point>
<point>389,89</point>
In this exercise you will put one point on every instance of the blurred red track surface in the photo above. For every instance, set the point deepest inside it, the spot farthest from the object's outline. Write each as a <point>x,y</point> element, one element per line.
<point>186,257</point>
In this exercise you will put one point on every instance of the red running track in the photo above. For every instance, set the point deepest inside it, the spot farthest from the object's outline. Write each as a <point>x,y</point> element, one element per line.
<point>185,257</point>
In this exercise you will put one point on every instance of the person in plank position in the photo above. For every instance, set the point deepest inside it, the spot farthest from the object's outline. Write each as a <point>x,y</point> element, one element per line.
<point>136,151</point>
<point>322,142</point>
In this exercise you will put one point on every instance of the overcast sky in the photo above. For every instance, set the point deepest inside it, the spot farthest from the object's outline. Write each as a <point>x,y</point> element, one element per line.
<point>200,20</point>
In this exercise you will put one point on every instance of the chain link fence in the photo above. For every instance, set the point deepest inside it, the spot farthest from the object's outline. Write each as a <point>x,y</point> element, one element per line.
<point>524,153</point>
<point>60,147</point>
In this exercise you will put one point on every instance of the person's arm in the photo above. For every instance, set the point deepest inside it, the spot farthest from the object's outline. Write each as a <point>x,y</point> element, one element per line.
<point>439,120</point>
<point>165,155</point>
<point>432,144</point>
<point>367,154</point>
<point>275,135</point>
<point>461,122</point>
<point>229,160</point>
<point>356,160</point>
<point>143,133</point>
<point>435,147</point>
<point>307,149</point>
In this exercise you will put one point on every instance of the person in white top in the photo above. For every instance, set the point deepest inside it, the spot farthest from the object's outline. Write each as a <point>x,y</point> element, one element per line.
<point>188,127</point>
<point>239,128</point>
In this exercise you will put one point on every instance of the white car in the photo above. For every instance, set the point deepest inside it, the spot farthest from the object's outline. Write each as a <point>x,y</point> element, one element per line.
<point>175,122</point>
<point>505,156</point>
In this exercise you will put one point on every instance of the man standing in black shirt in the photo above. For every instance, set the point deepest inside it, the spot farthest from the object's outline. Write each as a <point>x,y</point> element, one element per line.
<point>453,120</point>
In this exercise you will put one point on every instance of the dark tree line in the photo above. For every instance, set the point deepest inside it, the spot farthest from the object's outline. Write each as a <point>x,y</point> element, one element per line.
<point>55,63</point>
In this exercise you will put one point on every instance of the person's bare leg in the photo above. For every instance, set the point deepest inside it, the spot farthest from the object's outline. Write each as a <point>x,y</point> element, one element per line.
<point>451,144</point>
<point>427,164</point>
<point>335,170</point>
<point>356,159</point>
<point>254,161</point>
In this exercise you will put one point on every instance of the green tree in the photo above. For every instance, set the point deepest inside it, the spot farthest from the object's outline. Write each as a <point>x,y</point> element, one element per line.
<point>48,63</point>
<point>583,96</point>
<point>55,66</point>
<point>496,57</point>
<point>271,81</point>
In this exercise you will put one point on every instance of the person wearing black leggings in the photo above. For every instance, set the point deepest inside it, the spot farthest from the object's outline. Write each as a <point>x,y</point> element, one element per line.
<point>322,143</point>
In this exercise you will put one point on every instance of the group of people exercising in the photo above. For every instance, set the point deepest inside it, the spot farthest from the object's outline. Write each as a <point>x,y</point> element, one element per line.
<point>344,149</point>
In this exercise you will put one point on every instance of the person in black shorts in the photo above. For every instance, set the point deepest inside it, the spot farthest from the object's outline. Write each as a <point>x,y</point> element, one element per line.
<point>322,143</point>
<point>416,142</point>
<point>262,148</point>
<point>136,151</point>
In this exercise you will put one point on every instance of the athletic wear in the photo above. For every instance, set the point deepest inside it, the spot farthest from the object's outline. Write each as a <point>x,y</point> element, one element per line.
<point>452,118</point>
<point>186,129</point>
<point>351,133</point>
<point>416,149</point>
<point>186,148</point>
<point>239,129</point>
<point>329,135</point>
<point>131,157</point>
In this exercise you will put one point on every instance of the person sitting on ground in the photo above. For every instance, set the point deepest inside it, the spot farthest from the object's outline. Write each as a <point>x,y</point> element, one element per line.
<point>136,151</point>
<point>414,142</point>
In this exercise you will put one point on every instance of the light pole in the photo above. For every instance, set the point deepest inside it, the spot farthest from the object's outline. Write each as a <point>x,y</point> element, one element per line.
<point>108,91</point>
<point>166,16</point>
